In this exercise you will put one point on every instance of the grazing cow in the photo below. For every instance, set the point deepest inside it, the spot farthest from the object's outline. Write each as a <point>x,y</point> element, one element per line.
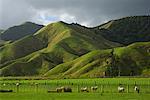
<point>63,89</point>
<point>137,89</point>
<point>17,84</point>
<point>85,89</point>
<point>3,91</point>
<point>121,88</point>
<point>94,88</point>
<point>59,90</point>
<point>67,89</point>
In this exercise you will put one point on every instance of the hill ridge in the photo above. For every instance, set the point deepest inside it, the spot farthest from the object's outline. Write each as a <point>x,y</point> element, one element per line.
<point>62,50</point>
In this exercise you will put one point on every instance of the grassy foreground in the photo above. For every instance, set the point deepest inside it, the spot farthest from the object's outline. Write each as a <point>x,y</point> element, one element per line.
<point>29,91</point>
<point>74,96</point>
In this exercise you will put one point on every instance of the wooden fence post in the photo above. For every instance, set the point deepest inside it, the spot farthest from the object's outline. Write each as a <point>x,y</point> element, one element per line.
<point>102,88</point>
<point>36,86</point>
<point>17,88</point>
<point>78,88</point>
<point>127,88</point>
<point>17,85</point>
<point>95,83</point>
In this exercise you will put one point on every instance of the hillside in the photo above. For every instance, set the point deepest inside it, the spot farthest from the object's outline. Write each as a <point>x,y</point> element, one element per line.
<point>20,48</point>
<point>126,30</point>
<point>130,60</point>
<point>61,50</point>
<point>58,43</point>
<point>20,31</point>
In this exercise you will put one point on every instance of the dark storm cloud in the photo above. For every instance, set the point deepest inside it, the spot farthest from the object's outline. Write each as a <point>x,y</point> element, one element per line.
<point>86,12</point>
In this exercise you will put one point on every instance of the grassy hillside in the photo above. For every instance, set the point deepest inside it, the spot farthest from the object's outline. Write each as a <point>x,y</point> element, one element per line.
<point>130,60</point>
<point>20,31</point>
<point>2,42</point>
<point>57,43</point>
<point>126,30</point>
<point>20,48</point>
<point>61,50</point>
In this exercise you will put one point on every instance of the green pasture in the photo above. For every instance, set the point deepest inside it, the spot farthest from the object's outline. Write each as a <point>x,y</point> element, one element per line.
<point>74,96</point>
<point>107,89</point>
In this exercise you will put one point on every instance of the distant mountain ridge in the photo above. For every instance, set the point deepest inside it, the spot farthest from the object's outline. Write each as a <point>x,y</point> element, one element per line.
<point>126,30</point>
<point>20,31</point>
<point>61,50</point>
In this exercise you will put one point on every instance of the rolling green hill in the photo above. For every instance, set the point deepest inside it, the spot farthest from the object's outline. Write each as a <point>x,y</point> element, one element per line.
<point>130,60</point>
<point>61,50</point>
<point>60,41</point>
<point>126,30</point>
<point>20,48</point>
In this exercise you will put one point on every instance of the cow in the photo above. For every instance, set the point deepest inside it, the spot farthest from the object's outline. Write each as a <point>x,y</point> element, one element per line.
<point>94,88</point>
<point>59,90</point>
<point>84,89</point>
<point>3,91</point>
<point>137,89</point>
<point>63,89</point>
<point>120,88</point>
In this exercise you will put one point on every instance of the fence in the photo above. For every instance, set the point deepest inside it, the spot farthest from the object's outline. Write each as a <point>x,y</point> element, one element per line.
<point>44,87</point>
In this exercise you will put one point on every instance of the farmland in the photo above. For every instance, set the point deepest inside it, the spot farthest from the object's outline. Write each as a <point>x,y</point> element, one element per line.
<point>107,89</point>
<point>73,96</point>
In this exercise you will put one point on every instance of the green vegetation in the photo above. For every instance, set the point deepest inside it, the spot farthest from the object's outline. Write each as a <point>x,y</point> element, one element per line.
<point>2,42</point>
<point>20,48</point>
<point>61,50</point>
<point>126,30</point>
<point>73,96</point>
<point>107,89</point>
<point>59,43</point>
<point>129,61</point>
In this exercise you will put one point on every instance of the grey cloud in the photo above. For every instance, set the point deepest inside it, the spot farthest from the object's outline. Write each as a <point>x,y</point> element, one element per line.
<point>89,12</point>
<point>14,13</point>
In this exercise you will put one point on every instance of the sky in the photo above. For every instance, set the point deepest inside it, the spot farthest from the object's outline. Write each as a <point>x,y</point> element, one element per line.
<point>85,12</point>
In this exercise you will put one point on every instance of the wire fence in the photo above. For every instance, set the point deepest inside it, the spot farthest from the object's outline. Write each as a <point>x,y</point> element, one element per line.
<point>44,87</point>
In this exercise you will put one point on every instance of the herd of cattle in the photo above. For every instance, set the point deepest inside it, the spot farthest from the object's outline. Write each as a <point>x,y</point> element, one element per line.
<point>82,89</point>
<point>92,89</point>
<point>68,89</point>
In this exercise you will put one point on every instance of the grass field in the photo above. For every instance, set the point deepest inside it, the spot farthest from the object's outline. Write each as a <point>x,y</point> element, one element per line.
<point>73,96</point>
<point>107,89</point>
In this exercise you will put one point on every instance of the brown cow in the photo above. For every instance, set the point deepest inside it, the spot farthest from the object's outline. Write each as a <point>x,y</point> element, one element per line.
<point>63,89</point>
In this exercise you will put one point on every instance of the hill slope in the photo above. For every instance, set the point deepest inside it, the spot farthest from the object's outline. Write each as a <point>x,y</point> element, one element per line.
<point>126,30</point>
<point>130,60</point>
<point>61,50</point>
<point>57,43</point>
